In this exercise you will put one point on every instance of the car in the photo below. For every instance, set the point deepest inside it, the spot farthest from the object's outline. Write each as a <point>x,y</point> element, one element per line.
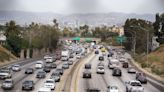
<point>16,68</point>
<point>41,74</point>
<point>78,56</point>
<point>122,59</point>
<point>5,73</point>
<point>134,86</point>
<point>46,69</point>
<point>39,64</point>
<point>50,59</point>
<point>50,83</point>
<point>101,64</point>
<point>131,70</point>
<point>71,56</point>
<point>87,74</point>
<point>28,85</point>
<point>112,89</point>
<point>112,65</point>
<point>140,76</point>
<point>45,57</point>
<point>93,90</point>
<point>70,62</point>
<point>96,52</point>
<point>125,64</point>
<point>56,76</point>
<point>60,70</point>
<point>101,58</point>
<point>29,71</point>
<point>87,66</point>
<point>53,65</point>
<point>65,65</point>
<point>117,72</point>
<point>44,89</point>
<point>8,84</point>
<point>110,54</point>
<point>100,70</point>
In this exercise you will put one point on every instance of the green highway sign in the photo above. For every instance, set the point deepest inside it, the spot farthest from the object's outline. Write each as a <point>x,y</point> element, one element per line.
<point>121,39</point>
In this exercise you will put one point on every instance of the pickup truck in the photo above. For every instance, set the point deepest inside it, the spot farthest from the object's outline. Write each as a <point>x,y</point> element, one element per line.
<point>5,73</point>
<point>134,86</point>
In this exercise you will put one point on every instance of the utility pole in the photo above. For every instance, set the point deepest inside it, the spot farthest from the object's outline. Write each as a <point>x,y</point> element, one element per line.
<point>147,47</point>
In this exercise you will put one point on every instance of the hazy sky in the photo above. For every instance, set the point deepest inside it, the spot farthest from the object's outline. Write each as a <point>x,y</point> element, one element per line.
<point>84,6</point>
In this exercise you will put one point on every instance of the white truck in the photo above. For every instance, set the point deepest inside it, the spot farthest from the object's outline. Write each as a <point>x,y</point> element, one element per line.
<point>65,55</point>
<point>5,73</point>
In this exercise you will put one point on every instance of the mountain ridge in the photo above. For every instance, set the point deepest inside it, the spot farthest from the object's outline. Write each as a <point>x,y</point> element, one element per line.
<point>93,19</point>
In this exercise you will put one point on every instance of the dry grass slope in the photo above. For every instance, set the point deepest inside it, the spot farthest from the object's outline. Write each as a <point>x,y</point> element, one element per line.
<point>155,62</point>
<point>5,55</point>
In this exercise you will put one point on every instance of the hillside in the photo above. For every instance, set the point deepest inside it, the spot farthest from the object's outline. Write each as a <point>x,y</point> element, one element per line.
<point>155,62</point>
<point>5,55</point>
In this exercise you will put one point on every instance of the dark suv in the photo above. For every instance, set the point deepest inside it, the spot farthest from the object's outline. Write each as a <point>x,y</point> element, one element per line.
<point>101,58</point>
<point>141,77</point>
<point>28,85</point>
<point>117,72</point>
<point>96,52</point>
<point>87,66</point>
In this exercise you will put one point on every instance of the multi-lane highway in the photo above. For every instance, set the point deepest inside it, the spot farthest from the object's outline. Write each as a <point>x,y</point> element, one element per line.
<point>72,80</point>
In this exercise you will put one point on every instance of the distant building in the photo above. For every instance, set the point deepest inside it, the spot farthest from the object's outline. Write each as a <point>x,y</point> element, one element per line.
<point>2,38</point>
<point>119,30</point>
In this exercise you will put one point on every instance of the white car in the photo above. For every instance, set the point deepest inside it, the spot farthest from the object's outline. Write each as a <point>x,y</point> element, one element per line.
<point>16,68</point>
<point>46,56</point>
<point>78,56</point>
<point>39,64</point>
<point>44,89</point>
<point>50,83</point>
<point>134,86</point>
<point>100,69</point>
<point>131,70</point>
<point>112,89</point>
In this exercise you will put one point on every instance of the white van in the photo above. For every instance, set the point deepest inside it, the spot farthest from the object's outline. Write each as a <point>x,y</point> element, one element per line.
<point>39,64</point>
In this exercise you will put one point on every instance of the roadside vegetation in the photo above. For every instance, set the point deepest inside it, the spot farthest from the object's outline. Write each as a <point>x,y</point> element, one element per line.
<point>143,31</point>
<point>155,61</point>
<point>33,36</point>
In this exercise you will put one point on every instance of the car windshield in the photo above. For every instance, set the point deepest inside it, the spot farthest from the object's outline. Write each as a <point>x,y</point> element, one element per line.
<point>135,84</point>
<point>27,82</point>
<point>16,65</point>
<point>49,81</point>
<point>100,67</point>
<point>4,71</point>
<point>8,81</point>
<point>41,72</point>
<point>113,87</point>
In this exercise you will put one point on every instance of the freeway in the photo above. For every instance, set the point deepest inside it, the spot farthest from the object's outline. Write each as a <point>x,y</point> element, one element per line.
<point>101,81</point>
<point>72,79</point>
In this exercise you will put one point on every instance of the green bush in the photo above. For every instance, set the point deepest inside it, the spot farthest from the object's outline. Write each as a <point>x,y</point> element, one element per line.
<point>143,65</point>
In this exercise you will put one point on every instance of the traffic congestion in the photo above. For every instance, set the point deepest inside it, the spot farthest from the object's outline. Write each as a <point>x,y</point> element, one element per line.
<point>107,70</point>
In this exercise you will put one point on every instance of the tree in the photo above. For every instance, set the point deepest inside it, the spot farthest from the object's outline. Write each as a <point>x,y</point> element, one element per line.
<point>14,40</point>
<point>159,28</point>
<point>141,28</point>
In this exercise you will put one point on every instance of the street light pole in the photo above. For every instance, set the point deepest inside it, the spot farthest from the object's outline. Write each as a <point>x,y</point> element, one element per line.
<point>134,41</point>
<point>147,47</point>
<point>147,41</point>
